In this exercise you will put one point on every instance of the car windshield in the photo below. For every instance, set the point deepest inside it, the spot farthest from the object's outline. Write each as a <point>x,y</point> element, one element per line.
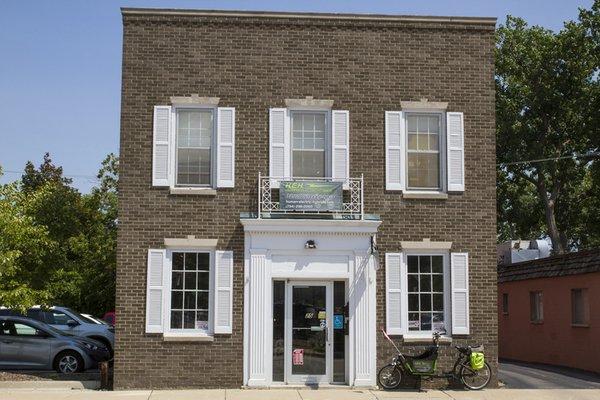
<point>50,329</point>
<point>89,319</point>
<point>81,317</point>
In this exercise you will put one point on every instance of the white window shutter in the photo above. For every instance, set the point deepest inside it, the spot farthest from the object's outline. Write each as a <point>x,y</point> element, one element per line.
<point>160,145</point>
<point>456,151</point>
<point>279,144</point>
<point>394,150</point>
<point>459,271</point>
<point>340,144</point>
<point>226,147</point>
<point>155,290</point>
<point>223,291</point>
<point>396,316</point>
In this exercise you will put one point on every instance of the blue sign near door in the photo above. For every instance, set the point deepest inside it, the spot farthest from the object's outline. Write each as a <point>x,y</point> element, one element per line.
<point>338,321</point>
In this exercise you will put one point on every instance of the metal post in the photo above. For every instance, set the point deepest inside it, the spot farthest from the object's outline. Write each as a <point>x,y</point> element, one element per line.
<point>259,194</point>
<point>362,197</point>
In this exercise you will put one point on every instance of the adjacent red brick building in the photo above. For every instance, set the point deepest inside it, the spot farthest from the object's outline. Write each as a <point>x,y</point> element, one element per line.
<point>549,310</point>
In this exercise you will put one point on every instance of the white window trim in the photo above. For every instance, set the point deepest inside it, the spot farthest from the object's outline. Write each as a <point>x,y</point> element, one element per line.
<point>440,193</point>
<point>426,335</point>
<point>195,189</point>
<point>169,333</point>
<point>328,134</point>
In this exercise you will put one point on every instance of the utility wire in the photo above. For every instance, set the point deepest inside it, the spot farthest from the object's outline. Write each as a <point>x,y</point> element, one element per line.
<point>574,156</point>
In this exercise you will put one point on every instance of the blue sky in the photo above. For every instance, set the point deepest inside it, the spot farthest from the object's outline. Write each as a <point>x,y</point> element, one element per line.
<point>60,67</point>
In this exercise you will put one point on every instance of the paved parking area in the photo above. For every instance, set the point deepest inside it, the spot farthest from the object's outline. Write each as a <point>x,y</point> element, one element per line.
<point>529,376</point>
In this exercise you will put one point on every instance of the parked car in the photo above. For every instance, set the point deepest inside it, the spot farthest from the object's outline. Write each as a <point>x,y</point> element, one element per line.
<point>69,321</point>
<point>29,344</point>
<point>110,318</point>
<point>93,319</point>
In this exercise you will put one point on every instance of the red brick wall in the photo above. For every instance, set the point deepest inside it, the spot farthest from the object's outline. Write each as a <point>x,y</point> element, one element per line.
<point>554,341</point>
<point>252,64</point>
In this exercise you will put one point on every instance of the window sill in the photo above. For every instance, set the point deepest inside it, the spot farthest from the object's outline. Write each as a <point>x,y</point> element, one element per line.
<point>580,325</point>
<point>537,322</point>
<point>187,338</point>
<point>425,339</point>
<point>425,195</point>
<point>192,191</point>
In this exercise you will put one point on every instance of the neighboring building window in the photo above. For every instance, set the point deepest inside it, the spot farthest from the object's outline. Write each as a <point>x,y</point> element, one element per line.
<point>505,303</point>
<point>194,144</point>
<point>190,291</point>
<point>426,292</point>
<point>580,312</point>
<point>423,151</point>
<point>536,306</point>
<point>309,145</point>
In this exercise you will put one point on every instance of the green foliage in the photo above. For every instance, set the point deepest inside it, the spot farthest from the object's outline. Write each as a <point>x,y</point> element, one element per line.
<point>58,246</point>
<point>547,97</point>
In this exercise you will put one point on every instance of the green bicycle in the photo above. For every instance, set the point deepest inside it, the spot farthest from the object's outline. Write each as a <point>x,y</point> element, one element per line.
<point>469,367</point>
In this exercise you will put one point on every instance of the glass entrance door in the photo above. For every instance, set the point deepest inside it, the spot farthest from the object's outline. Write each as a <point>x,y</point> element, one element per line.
<point>309,332</point>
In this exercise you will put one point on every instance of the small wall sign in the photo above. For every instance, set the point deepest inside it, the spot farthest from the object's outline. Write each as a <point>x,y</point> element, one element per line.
<point>338,321</point>
<point>310,196</point>
<point>298,357</point>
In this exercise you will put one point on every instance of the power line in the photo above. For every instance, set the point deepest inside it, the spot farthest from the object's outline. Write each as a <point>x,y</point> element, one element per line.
<point>574,156</point>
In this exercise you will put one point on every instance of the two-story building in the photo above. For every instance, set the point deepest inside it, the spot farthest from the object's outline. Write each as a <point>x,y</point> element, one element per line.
<point>290,184</point>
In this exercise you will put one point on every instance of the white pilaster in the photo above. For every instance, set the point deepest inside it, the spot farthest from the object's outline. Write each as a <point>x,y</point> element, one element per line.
<point>259,294</point>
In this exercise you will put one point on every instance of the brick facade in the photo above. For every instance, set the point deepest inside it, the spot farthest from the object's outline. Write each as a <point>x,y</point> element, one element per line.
<point>253,63</point>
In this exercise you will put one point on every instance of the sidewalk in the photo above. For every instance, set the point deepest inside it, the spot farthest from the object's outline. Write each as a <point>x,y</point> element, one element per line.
<point>301,394</point>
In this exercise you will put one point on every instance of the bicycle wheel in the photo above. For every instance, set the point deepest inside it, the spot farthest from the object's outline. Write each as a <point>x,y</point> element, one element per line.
<point>389,377</point>
<point>475,380</point>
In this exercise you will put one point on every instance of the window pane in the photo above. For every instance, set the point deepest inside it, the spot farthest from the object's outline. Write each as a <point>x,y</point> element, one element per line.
<point>203,281</point>
<point>412,124</point>
<point>189,319</point>
<point>424,264</point>
<point>177,280</point>
<point>414,322</point>
<point>190,261</point>
<point>437,264</point>
<point>438,322</point>
<point>425,321</point>
<point>413,302</point>
<point>438,283</point>
<point>190,301</point>
<point>423,170</point>
<point>413,264</point>
<point>434,124</point>
<point>308,163</point>
<point>176,299</point>
<point>433,142</point>
<point>426,302</point>
<point>438,302</point>
<point>202,320</point>
<point>412,141</point>
<point>203,261</point>
<point>193,166</point>
<point>176,320</point>
<point>202,301</point>
<point>413,283</point>
<point>425,283</point>
<point>190,280</point>
<point>177,263</point>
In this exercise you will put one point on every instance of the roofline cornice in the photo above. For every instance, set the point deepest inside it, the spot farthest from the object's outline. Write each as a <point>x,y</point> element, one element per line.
<point>127,11</point>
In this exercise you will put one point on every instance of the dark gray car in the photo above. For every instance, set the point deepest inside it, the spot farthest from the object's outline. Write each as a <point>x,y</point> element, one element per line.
<point>29,344</point>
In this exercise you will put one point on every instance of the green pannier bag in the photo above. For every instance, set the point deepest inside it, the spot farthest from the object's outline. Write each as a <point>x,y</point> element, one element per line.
<point>477,360</point>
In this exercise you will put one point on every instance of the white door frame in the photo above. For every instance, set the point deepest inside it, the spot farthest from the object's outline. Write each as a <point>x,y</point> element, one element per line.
<point>309,379</point>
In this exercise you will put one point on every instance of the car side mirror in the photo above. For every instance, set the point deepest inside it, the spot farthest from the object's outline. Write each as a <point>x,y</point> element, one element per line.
<point>72,323</point>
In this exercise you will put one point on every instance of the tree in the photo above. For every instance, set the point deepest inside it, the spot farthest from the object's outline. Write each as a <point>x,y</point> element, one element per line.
<point>547,126</point>
<point>58,246</point>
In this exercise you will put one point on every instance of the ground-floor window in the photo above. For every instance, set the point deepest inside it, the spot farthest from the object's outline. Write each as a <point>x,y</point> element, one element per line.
<point>536,306</point>
<point>579,307</point>
<point>426,292</point>
<point>190,291</point>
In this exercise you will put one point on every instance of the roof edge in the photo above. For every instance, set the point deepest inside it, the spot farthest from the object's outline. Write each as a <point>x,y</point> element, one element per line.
<point>125,11</point>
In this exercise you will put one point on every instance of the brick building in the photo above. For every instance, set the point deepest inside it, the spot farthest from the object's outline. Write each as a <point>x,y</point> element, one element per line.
<point>548,310</point>
<point>290,183</point>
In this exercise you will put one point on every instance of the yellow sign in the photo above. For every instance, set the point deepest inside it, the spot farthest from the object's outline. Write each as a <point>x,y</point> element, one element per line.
<point>322,315</point>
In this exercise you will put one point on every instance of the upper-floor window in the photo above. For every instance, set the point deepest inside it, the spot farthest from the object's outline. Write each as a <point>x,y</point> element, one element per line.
<point>309,144</point>
<point>423,156</point>
<point>505,303</point>
<point>194,143</point>
<point>536,306</point>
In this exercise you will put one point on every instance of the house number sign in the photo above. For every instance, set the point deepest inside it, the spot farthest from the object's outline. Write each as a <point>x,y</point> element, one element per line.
<point>310,196</point>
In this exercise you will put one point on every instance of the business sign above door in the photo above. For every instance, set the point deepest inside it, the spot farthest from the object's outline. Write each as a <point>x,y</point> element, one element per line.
<point>310,196</point>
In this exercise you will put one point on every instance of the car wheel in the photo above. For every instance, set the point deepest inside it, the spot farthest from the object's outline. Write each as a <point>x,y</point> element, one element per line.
<point>68,362</point>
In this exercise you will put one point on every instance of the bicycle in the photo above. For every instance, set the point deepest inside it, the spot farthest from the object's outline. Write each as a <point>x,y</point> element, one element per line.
<point>424,365</point>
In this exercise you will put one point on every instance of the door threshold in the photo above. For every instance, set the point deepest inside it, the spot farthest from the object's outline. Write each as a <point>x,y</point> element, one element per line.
<point>312,386</point>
